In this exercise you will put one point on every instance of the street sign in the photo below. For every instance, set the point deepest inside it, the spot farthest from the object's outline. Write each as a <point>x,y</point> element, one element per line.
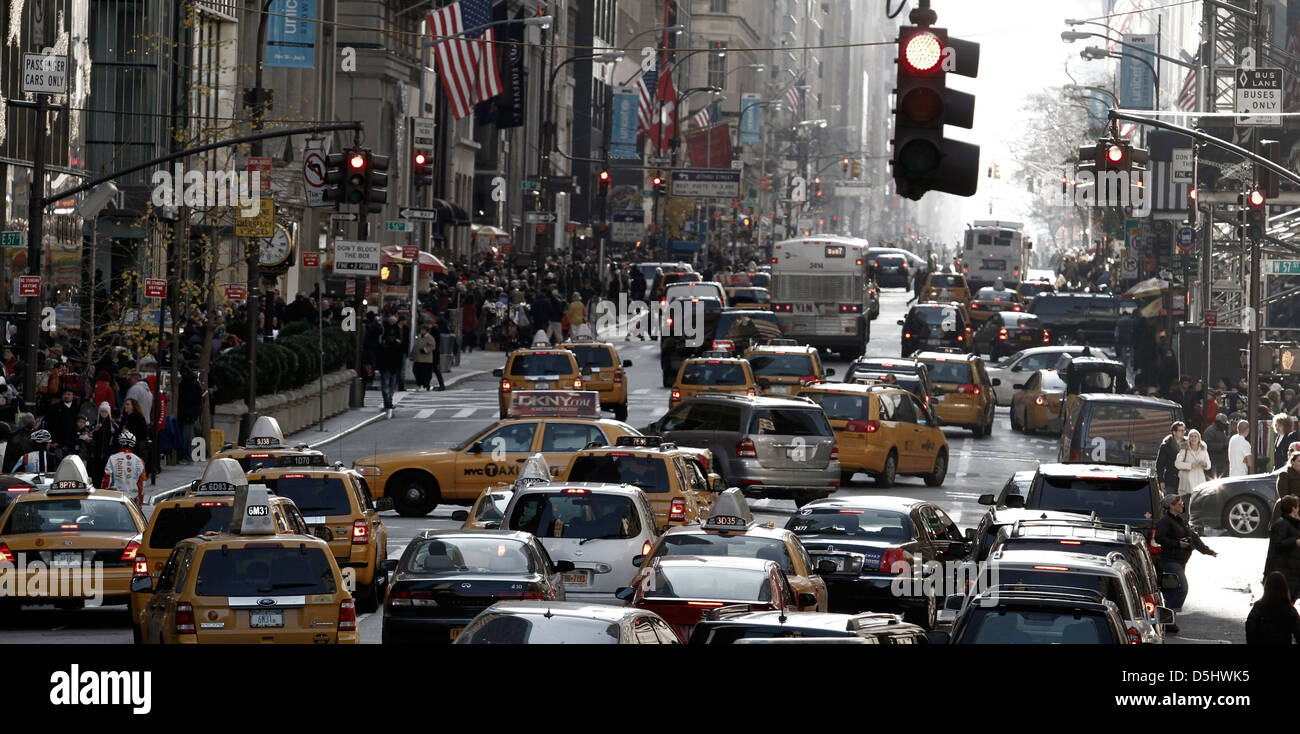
<point>706,184</point>
<point>1129,267</point>
<point>627,225</point>
<point>659,160</point>
<point>1181,168</point>
<point>236,292</point>
<point>262,164</point>
<point>1211,317</point>
<point>14,238</point>
<point>427,215</point>
<point>423,132</point>
<point>398,225</point>
<point>1259,97</point>
<point>29,285</point>
<point>311,259</point>
<point>1282,267</point>
<point>1185,263</point>
<point>410,252</point>
<point>851,189</point>
<point>539,217</point>
<point>45,73</point>
<point>1186,239</point>
<point>155,288</point>
<point>356,258</point>
<point>313,176</point>
<point>343,217</point>
<point>529,185</point>
<point>261,224</point>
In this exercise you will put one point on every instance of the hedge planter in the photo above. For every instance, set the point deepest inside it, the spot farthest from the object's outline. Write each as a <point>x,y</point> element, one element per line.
<point>294,409</point>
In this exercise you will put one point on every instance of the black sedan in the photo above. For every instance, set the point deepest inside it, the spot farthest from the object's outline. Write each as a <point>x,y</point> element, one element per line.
<point>880,545</point>
<point>892,271</point>
<point>1007,332</point>
<point>445,578</point>
<point>1239,506</point>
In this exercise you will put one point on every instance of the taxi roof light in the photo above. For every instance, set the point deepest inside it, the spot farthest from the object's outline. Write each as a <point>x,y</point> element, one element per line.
<point>730,512</point>
<point>252,511</point>
<point>265,432</point>
<point>640,441</point>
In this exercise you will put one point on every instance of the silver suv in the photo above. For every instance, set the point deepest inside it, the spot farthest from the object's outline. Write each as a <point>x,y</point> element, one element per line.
<point>781,448</point>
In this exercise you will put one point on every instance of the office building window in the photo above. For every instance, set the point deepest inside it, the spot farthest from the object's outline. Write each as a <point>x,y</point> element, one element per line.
<point>717,6</point>
<point>718,65</point>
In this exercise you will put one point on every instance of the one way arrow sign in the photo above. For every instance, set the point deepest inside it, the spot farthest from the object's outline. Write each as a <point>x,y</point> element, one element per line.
<point>428,215</point>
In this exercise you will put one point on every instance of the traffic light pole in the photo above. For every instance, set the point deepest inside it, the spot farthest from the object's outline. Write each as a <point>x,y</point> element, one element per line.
<point>358,397</point>
<point>35,237</point>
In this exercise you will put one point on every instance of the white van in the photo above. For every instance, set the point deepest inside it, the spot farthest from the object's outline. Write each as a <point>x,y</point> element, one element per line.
<point>707,289</point>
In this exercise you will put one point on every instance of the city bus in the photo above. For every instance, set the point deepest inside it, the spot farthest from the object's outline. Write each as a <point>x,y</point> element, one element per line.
<point>995,249</point>
<point>820,292</point>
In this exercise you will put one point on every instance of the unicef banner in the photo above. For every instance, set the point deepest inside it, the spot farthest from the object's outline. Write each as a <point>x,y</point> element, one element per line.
<point>622,136</point>
<point>291,34</point>
<point>749,110</point>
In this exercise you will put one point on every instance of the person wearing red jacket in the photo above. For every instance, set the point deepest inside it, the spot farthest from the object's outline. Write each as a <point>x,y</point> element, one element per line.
<point>104,392</point>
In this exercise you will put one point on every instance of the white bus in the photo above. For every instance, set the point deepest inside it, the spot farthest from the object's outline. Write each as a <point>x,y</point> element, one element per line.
<point>995,249</point>
<point>820,292</point>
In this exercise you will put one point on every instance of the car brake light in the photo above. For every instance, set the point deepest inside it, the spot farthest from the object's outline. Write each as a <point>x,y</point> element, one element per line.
<point>1071,542</point>
<point>675,395</point>
<point>773,261</point>
<point>835,452</point>
<point>131,550</point>
<point>852,512</point>
<point>974,307</point>
<point>141,566</point>
<point>968,389</point>
<point>360,533</point>
<point>1051,568</point>
<point>891,558</point>
<point>1002,334</point>
<point>259,456</point>
<point>505,386</point>
<point>677,511</point>
<point>850,308</point>
<point>959,337</point>
<point>1040,401</point>
<point>1015,308</point>
<point>669,322</point>
<point>6,555</point>
<point>18,490</point>
<point>184,618</point>
<point>347,616</point>
<point>1134,637</point>
<point>862,426</point>
<point>620,454</point>
<point>907,335</point>
<point>618,376</point>
<point>577,384</point>
<point>751,392</point>
<point>576,490</point>
<point>746,449</point>
<point>1149,603</point>
<point>213,504</point>
<point>294,476</point>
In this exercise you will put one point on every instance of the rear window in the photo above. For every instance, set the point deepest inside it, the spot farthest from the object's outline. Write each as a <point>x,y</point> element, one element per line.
<point>891,261</point>
<point>593,356</point>
<point>782,365</point>
<point>541,364</point>
<point>1026,627</point>
<point>648,473</point>
<point>1017,318</point>
<point>752,295</point>
<point>993,294</point>
<point>788,422</point>
<point>470,556</point>
<point>721,373</point>
<point>588,515</point>
<point>1073,545</point>
<point>734,546</point>
<point>760,280</point>
<point>703,417</point>
<point>695,582</point>
<point>892,527</point>
<point>314,495</point>
<point>947,281</point>
<point>944,317</point>
<point>951,372</point>
<point>510,629</point>
<point>295,570</point>
<point>765,322</point>
<point>69,515</point>
<point>1110,498</point>
<point>174,524</point>
<point>841,406</point>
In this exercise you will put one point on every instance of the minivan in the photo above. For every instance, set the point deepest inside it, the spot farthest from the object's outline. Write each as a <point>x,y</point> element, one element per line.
<point>1106,428</point>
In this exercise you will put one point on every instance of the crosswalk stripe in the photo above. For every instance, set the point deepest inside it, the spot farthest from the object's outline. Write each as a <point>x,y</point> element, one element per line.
<point>464,412</point>
<point>424,414</point>
<point>641,391</point>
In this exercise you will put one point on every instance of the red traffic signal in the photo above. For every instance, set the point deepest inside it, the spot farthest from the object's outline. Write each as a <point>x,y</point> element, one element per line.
<point>421,159</point>
<point>1114,154</point>
<point>357,161</point>
<point>1255,199</point>
<point>604,176</point>
<point>923,52</point>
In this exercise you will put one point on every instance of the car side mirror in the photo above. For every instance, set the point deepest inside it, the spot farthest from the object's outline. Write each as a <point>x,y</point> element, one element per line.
<point>996,382</point>
<point>627,363</point>
<point>719,485</point>
<point>141,584</point>
<point>498,372</point>
<point>492,525</point>
<point>1015,500</point>
<point>938,637</point>
<point>900,322</point>
<point>1168,581</point>
<point>564,566</point>
<point>638,560</point>
<point>807,600</point>
<point>460,515</point>
<point>477,448</point>
<point>388,565</point>
<point>830,371</point>
<point>1164,615</point>
<point>987,499</point>
<point>625,593</point>
<point>826,566</point>
<point>383,504</point>
<point>1019,386</point>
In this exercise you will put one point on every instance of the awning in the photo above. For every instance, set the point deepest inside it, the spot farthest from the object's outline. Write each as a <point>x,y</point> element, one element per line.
<point>487,231</point>
<point>449,213</point>
<point>429,263</point>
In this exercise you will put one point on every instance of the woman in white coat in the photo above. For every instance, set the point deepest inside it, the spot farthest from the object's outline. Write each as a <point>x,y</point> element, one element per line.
<point>1192,462</point>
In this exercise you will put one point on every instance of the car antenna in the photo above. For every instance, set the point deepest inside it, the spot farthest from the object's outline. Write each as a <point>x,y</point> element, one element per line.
<point>548,614</point>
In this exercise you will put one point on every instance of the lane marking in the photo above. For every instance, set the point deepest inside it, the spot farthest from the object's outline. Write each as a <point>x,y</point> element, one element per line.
<point>424,414</point>
<point>464,412</point>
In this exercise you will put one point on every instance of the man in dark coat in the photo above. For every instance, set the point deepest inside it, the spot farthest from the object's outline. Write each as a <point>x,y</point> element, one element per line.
<point>1176,541</point>
<point>389,362</point>
<point>1166,472</point>
<point>1216,442</point>
<point>61,421</point>
<point>1284,543</point>
<point>374,332</point>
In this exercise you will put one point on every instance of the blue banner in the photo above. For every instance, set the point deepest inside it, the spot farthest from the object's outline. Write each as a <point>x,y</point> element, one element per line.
<point>1136,72</point>
<point>622,134</point>
<point>291,34</point>
<point>749,109</point>
<point>687,246</point>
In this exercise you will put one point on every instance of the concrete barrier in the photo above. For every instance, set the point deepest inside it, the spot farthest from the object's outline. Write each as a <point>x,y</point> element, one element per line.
<point>293,409</point>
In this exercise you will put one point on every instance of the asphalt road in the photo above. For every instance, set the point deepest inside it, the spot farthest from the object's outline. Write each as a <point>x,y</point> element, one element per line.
<point>1221,587</point>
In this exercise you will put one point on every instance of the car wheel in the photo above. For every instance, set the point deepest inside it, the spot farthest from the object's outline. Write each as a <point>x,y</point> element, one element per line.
<point>1015,424</point>
<point>925,616</point>
<point>886,478</point>
<point>936,477</point>
<point>1244,517</point>
<point>620,412</point>
<point>367,596</point>
<point>977,431</point>
<point>413,493</point>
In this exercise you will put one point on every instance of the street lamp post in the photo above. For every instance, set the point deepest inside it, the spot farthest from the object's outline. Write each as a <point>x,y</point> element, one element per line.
<point>1072,36</point>
<point>762,153</point>
<point>1093,53</point>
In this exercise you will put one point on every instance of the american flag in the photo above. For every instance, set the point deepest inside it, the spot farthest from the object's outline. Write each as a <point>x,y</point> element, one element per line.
<point>645,111</point>
<point>468,66</point>
<point>704,117</point>
<point>794,99</point>
<point>1187,97</point>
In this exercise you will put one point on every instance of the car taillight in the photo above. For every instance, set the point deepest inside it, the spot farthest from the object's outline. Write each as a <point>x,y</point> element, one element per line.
<point>746,449</point>
<point>1002,334</point>
<point>862,426</point>
<point>675,395</point>
<point>1149,603</point>
<point>1154,547</point>
<point>677,511</point>
<point>360,533</point>
<point>960,338</point>
<point>1046,337</point>
<point>1015,308</point>
<point>807,380</point>
<point>890,557</point>
<point>907,335</point>
<point>974,307</point>
<point>131,550</point>
<point>1040,401</point>
<point>751,392</point>
<point>141,566</point>
<point>505,386</point>
<point>850,308</point>
<point>1134,637</point>
<point>968,389</point>
<point>184,618</point>
<point>6,555</point>
<point>835,452</point>
<point>577,384</point>
<point>347,616</point>
<point>618,376</point>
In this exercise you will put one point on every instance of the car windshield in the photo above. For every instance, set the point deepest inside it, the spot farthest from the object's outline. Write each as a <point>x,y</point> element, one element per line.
<point>882,525</point>
<point>708,582</point>
<point>620,467</point>
<point>541,364</point>
<point>589,357</point>
<point>949,372</point>
<point>789,422</point>
<point>842,406</point>
<point>735,546</point>
<point>513,629</point>
<point>69,515</point>
<point>463,555</point>
<point>173,524</point>
<point>576,514</point>
<point>314,496</point>
<point>295,570</point>
<point>1110,498</point>
<point>782,365</point>
<point>714,373</point>
<point>1052,381</point>
<point>1027,627</point>
<point>944,318</point>
<point>891,261</point>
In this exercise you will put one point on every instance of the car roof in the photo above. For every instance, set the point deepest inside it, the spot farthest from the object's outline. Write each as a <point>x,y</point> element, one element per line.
<point>867,502</point>
<point>754,529</point>
<point>767,401</point>
<point>885,362</point>
<point>518,535</point>
<point>272,472</point>
<point>1089,470</point>
<point>228,539</point>
<point>947,356</point>
<point>848,387</point>
<point>583,610</point>
<point>625,490</point>
<point>1105,397</point>
<point>1077,362</point>
<point>1072,560</point>
<point>709,360</point>
<point>734,562</point>
<point>789,348</point>
<point>829,621</point>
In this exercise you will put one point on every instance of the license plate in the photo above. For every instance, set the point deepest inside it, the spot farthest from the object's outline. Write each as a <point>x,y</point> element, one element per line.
<point>837,560</point>
<point>1147,463</point>
<point>266,618</point>
<point>71,558</point>
<point>784,389</point>
<point>542,385</point>
<point>577,578</point>
<point>1026,337</point>
<point>455,632</point>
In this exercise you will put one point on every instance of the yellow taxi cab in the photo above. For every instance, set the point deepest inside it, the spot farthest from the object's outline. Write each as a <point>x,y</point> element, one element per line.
<point>601,369</point>
<point>882,430</point>
<point>248,585</point>
<point>264,447</point>
<point>553,423</point>
<point>946,287</point>
<point>730,530</point>
<point>487,511</point>
<point>715,372</point>
<point>784,366</point>
<point>1036,403</point>
<point>540,367</point>
<point>203,507</point>
<point>989,301</point>
<point>336,505</point>
<point>671,477</point>
<point>963,394</point>
<point>69,543</point>
<point>749,297</point>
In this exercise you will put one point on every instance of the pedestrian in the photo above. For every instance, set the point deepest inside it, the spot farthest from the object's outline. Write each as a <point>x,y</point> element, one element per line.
<point>133,419</point>
<point>39,460</point>
<point>577,313</point>
<point>1273,619</point>
<point>1240,458</point>
<point>61,420</point>
<point>104,392</point>
<point>21,441</point>
<point>1176,541</point>
<point>188,411</point>
<point>389,363</point>
<point>1192,463</point>
<point>125,471</point>
<point>424,359</point>
<point>102,438</point>
<point>1216,442</point>
<point>1284,543</point>
<point>1167,454</point>
<point>1284,434</point>
<point>139,392</point>
<point>555,330</point>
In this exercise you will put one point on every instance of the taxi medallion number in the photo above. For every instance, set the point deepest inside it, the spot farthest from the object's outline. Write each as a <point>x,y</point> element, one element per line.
<point>266,618</point>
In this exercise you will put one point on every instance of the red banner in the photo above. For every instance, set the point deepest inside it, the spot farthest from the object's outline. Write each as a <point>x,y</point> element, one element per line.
<point>709,147</point>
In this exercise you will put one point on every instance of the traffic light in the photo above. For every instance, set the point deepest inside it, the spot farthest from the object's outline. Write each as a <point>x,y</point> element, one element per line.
<point>1252,214</point>
<point>746,222</point>
<point>385,272</point>
<point>844,165</point>
<point>422,168</point>
<point>376,191</point>
<point>1113,154</point>
<point>857,169</point>
<point>817,188</point>
<point>924,160</point>
<point>603,178</point>
<point>336,179</point>
<point>356,176</point>
<point>658,183</point>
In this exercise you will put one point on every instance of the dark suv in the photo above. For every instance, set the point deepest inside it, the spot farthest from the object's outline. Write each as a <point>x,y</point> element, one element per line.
<point>741,327</point>
<point>1067,316</point>
<point>910,374</point>
<point>1118,494</point>
<point>1037,615</point>
<point>935,325</point>
<point>769,447</point>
